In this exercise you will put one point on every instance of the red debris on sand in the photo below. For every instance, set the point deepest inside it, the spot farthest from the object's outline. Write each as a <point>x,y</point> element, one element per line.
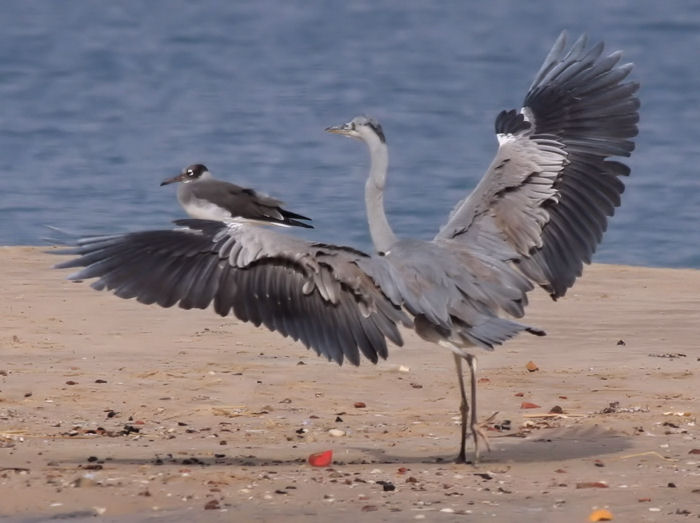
<point>519,394</point>
<point>528,405</point>
<point>694,451</point>
<point>532,366</point>
<point>359,405</point>
<point>321,459</point>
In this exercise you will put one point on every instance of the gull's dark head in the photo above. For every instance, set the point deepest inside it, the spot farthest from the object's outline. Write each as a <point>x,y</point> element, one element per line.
<point>189,174</point>
<point>363,128</point>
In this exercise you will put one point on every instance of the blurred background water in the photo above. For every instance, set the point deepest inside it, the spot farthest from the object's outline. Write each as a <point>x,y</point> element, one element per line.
<point>100,101</point>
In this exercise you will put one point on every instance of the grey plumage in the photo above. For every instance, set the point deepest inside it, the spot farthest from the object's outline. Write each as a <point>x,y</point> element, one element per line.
<point>314,293</point>
<point>535,217</point>
<point>206,198</point>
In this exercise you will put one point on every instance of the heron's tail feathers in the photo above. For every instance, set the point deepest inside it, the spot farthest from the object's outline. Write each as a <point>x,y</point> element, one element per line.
<point>495,331</point>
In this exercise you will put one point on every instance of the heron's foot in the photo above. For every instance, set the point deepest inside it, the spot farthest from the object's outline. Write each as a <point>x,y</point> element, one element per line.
<point>478,431</point>
<point>461,458</point>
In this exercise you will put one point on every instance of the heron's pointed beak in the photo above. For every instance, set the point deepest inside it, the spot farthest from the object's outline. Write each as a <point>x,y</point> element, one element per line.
<point>174,179</point>
<point>344,129</point>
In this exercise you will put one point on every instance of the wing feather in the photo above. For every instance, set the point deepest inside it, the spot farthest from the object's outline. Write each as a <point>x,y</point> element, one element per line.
<point>544,202</point>
<point>317,294</point>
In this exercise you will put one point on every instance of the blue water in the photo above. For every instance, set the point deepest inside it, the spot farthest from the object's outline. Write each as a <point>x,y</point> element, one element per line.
<point>99,101</point>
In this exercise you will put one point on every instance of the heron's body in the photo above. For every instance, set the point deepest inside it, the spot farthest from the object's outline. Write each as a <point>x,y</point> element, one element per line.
<point>537,215</point>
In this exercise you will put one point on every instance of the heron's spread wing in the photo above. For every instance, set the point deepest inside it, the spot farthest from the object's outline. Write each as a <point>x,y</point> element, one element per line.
<point>314,293</point>
<point>544,201</point>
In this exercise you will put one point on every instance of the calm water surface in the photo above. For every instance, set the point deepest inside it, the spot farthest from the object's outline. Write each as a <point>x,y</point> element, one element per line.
<point>100,101</point>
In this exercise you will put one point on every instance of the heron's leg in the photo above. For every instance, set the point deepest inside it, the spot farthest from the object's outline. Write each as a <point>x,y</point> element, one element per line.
<point>473,424</point>
<point>463,409</point>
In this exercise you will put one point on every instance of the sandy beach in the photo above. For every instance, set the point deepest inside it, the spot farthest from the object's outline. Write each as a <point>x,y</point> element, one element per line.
<point>111,408</point>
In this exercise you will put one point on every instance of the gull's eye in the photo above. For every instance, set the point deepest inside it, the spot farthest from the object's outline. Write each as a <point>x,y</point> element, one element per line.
<point>190,172</point>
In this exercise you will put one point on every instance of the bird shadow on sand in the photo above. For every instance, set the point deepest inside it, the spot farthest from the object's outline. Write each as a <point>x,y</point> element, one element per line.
<point>546,445</point>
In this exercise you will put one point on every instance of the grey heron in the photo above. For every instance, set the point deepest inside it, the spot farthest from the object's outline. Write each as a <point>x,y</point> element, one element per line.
<point>535,217</point>
<point>205,198</point>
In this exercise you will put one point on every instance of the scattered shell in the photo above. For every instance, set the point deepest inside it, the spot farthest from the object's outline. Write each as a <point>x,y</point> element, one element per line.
<point>600,515</point>
<point>532,366</point>
<point>592,484</point>
<point>403,368</point>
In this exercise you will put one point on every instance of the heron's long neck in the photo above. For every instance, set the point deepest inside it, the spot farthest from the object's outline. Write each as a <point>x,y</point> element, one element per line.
<point>380,230</point>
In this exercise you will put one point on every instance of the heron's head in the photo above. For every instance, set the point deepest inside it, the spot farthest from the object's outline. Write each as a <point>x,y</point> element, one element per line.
<point>189,174</point>
<point>361,127</point>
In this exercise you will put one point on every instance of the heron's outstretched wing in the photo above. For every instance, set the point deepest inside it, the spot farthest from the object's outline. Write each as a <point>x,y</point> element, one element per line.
<point>544,201</point>
<point>315,293</point>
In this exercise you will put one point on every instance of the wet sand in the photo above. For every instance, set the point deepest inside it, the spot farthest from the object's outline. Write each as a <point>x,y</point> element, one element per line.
<point>135,413</point>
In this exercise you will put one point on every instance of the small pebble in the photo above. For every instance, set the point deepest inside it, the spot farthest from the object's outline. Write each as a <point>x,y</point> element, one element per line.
<point>212,505</point>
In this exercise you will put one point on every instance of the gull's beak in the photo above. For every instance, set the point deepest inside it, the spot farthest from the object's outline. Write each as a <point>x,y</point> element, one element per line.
<point>344,129</point>
<point>174,179</point>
